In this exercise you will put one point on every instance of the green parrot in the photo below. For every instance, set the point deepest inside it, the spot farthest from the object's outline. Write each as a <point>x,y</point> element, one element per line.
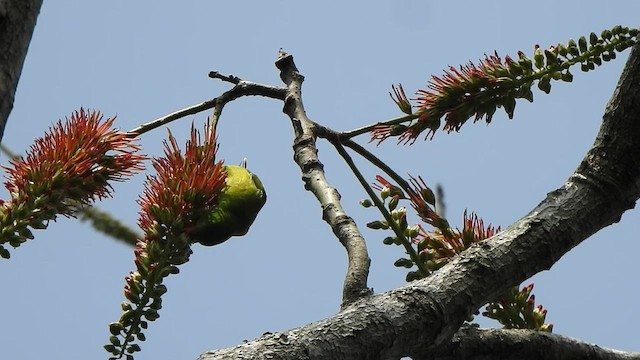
<point>237,208</point>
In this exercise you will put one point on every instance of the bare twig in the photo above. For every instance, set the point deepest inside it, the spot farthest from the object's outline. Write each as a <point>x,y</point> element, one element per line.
<point>242,88</point>
<point>227,78</point>
<point>305,155</point>
<point>365,129</point>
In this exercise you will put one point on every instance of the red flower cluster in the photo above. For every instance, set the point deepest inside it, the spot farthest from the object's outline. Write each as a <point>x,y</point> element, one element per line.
<point>185,188</point>
<point>75,161</point>
<point>67,168</point>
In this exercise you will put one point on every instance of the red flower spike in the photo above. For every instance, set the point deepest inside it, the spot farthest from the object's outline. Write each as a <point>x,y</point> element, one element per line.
<point>182,194</point>
<point>70,166</point>
<point>75,160</point>
<point>185,187</point>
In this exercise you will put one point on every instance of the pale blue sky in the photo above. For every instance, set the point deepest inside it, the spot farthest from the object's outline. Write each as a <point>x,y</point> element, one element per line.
<point>144,59</point>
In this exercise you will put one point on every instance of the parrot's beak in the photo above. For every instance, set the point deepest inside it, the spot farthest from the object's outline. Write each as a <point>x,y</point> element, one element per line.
<point>243,163</point>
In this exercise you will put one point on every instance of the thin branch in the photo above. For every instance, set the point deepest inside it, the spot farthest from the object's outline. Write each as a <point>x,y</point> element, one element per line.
<point>365,129</point>
<point>392,223</point>
<point>377,162</point>
<point>242,88</point>
<point>424,315</point>
<point>305,155</point>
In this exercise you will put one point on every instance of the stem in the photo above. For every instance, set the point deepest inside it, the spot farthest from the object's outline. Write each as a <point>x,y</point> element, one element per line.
<point>242,88</point>
<point>191,110</point>
<point>380,205</point>
<point>365,129</point>
<point>378,163</point>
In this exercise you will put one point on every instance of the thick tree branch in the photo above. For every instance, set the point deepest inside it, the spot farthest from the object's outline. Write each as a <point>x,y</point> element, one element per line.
<point>306,156</point>
<point>482,344</point>
<point>17,21</point>
<point>423,316</point>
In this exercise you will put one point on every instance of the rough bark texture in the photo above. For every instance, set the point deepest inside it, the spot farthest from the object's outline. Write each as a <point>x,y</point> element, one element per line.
<point>306,156</point>
<point>484,344</point>
<point>420,319</point>
<point>17,21</point>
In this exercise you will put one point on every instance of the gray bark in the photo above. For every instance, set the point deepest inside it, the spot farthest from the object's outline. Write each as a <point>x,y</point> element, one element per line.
<point>17,21</point>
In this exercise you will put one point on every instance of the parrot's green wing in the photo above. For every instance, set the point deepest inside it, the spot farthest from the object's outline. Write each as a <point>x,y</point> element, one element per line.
<point>237,207</point>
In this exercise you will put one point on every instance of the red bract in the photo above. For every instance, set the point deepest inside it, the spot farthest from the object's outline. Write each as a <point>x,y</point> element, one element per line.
<point>474,229</point>
<point>74,161</point>
<point>185,188</point>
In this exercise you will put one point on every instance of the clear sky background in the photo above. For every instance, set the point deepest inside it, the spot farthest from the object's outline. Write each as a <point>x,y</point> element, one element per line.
<point>144,59</point>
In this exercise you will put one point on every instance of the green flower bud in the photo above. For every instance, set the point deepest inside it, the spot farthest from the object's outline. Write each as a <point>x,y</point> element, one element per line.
<point>538,58</point>
<point>366,203</point>
<point>151,315</point>
<point>552,59</point>
<point>593,39</point>
<point>402,262</point>
<point>393,203</point>
<point>133,348</point>
<point>399,213</point>
<point>4,253</point>
<point>413,275</point>
<point>377,225</point>
<point>582,44</point>
<point>412,231</point>
<point>388,240</point>
<point>562,50</point>
<point>115,328</point>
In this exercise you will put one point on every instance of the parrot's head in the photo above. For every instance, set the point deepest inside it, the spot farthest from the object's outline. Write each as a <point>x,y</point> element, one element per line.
<point>238,205</point>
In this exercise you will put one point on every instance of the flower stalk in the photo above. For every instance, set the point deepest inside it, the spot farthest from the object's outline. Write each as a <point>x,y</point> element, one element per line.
<point>175,205</point>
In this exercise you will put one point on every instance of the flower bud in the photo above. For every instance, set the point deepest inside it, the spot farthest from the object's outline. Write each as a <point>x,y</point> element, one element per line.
<point>366,203</point>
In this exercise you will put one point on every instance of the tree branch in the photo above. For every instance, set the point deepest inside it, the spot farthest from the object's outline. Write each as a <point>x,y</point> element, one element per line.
<point>423,316</point>
<point>481,344</point>
<point>17,21</point>
<point>242,88</point>
<point>306,156</point>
